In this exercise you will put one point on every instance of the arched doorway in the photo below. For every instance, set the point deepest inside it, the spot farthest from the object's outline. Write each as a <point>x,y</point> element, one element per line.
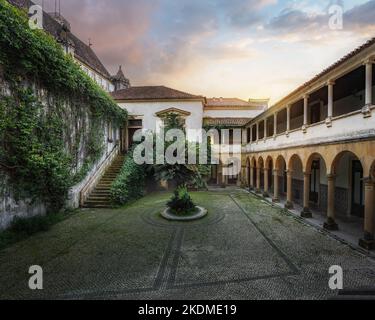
<point>268,181</point>
<point>316,170</point>
<point>295,182</point>
<point>348,176</point>
<point>279,177</point>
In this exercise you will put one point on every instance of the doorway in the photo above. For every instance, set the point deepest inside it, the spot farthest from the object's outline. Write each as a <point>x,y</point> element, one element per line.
<point>358,207</point>
<point>314,182</point>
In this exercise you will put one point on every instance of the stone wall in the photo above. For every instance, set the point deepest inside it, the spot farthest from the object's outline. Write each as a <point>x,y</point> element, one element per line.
<point>77,123</point>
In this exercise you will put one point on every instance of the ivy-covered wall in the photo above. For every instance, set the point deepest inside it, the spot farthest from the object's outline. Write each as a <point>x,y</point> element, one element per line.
<point>53,120</point>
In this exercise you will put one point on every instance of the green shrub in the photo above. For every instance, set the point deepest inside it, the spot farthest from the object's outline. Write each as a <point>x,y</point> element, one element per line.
<point>181,202</point>
<point>130,183</point>
<point>22,228</point>
<point>30,226</point>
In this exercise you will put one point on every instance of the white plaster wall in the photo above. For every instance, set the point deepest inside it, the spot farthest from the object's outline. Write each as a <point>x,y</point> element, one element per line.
<point>148,110</point>
<point>343,128</point>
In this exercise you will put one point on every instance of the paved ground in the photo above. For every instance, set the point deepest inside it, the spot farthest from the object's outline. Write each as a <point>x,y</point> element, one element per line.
<point>244,249</point>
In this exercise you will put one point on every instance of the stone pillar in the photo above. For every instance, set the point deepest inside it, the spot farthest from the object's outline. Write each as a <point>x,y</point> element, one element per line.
<point>305,112</point>
<point>331,223</point>
<point>257,131</point>
<point>275,124</point>
<point>368,241</point>
<point>368,100</point>
<point>287,120</point>
<point>306,213</point>
<point>258,181</point>
<point>251,134</point>
<point>266,186</point>
<point>275,186</point>
<point>289,194</point>
<point>330,85</point>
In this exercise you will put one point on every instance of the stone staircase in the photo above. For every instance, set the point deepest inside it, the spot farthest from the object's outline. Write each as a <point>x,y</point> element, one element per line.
<point>100,197</point>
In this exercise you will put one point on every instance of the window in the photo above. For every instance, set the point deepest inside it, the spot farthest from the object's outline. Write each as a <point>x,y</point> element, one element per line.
<point>135,123</point>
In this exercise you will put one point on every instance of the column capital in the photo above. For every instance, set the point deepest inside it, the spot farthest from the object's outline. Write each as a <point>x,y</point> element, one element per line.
<point>306,96</point>
<point>331,177</point>
<point>331,82</point>
<point>307,174</point>
<point>369,60</point>
<point>369,181</point>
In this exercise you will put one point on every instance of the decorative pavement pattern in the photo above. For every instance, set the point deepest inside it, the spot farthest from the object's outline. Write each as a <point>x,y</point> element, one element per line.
<point>243,249</point>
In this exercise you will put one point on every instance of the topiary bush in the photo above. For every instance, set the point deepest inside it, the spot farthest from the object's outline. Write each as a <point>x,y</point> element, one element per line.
<point>130,183</point>
<point>181,203</point>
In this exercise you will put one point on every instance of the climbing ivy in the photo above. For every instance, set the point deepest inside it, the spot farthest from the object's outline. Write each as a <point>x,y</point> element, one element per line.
<point>44,94</point>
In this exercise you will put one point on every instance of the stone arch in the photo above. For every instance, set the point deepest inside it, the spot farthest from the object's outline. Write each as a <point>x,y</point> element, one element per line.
<point>310,159</point>
<point>280,162</point>
<point>338,158</point>
<point>348,172</point>
<point>292,161</point>
<point>269,163</point>
<point>260,162</point>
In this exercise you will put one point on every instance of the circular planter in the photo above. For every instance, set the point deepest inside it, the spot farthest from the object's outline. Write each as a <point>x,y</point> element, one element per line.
<point>167,214</point>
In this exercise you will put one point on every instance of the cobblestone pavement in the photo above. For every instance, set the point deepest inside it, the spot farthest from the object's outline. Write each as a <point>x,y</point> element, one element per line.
<point>243,249</point>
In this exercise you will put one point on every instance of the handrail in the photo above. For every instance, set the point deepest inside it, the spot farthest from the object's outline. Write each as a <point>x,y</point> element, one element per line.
<point>91,184</point>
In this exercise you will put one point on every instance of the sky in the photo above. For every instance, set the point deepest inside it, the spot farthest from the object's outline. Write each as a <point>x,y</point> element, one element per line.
<point>220,48</point>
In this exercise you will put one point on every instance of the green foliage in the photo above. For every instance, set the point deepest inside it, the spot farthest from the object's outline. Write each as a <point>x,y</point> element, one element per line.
<point>33,148</point>
<point>22,228</point>
<point>130,183</point>
<point>35,55</point>
<point>181,203</point>
<point>181,174</point>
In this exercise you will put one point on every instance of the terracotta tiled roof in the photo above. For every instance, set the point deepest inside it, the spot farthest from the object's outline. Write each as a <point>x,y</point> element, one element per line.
<point>83,52</point>
<point>332,67</point>
<point>225,102</point>
<point>235,102</point>
<point>151,93</point>
<point>226,122</point>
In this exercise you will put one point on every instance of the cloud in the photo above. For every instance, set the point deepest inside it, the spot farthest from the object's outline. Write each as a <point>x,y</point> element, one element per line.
<point>299,25</point>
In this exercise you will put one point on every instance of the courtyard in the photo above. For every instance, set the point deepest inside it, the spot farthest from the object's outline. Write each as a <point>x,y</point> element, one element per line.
<point>243,249</point>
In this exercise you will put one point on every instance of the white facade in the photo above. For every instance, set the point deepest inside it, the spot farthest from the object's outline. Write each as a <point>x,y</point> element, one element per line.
<point>147,112</point>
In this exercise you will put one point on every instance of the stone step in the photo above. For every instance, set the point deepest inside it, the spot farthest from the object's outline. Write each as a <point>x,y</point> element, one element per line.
<point>100,197</point>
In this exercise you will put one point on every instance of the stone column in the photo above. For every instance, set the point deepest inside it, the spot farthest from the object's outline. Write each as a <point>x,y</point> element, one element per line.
<point>368,241</point>
<point>368,100</point>
<point>266,186</point>
<point>258,181</point>
<point>275,124</point>
<point>330,85</point>
<point>275,186</point>
<point>287,120</point>
<point>251,134</point>
<point>306,213</point>
<point>305,112</point>
<point>257,131</point>
<point>331,223</point>
<point>289,194</point>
